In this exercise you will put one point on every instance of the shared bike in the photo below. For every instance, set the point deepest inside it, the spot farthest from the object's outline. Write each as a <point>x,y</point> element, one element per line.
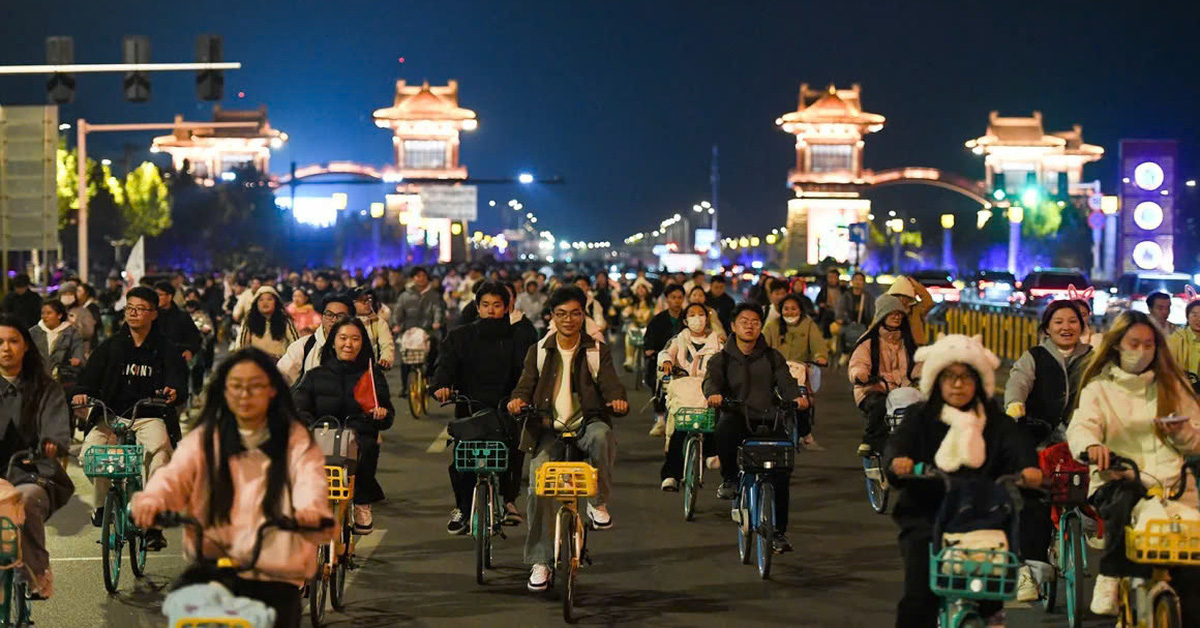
<point>15,607</point>
<point>878,491</point>
<point>697,423</point>
<point>635,337</point>
<point>1067,482</point>
<point>487,459</point>
<point>335,559</point>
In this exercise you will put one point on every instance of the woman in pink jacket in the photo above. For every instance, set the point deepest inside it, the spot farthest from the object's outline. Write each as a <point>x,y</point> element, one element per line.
<point>882,361</point>
<point>249,460</point>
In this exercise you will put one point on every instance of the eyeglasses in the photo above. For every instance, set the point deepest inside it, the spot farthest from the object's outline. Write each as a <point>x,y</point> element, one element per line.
<point>333,316</point>
<point>238,390</point>
<point>572,315</point>
<point>748,322</point>
<point>954,378</point>
<point>138,310</point>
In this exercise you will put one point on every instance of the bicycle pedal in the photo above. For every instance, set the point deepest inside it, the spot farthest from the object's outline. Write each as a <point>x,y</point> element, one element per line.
<point>503,535</point>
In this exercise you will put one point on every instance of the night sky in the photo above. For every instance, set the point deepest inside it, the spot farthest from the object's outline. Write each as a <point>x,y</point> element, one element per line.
<point>625,99</point>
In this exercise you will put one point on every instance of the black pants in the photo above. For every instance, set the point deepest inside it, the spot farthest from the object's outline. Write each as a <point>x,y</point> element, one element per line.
<point>918,606</point>
<point>366,488</point>
<point>281,596</point>
<point>463,482</point>
<point>875,430</point>
<point>730,433</point>
<point>673,465</point>
<point>1036,529</point>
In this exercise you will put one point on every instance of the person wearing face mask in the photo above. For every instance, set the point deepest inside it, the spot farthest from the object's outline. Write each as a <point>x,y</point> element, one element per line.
<point>689,350</point>
<point>661,329</point>
<point>1185,342</point>
<point>796,336</point>
<point>1131,384</point>
<point>882,361</point>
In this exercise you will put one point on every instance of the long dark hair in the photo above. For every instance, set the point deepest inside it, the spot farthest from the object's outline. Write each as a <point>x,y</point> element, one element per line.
<point>35,378</point>
<point>222,440</point>
<point>329,352</point>
<point>258,323</point>
<point>872,336</point>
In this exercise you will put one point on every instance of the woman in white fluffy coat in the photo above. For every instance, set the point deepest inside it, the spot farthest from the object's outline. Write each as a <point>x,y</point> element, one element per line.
<point>689,350</point>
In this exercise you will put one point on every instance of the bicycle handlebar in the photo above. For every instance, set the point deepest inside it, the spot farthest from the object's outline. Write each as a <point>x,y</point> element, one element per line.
<point>168,519</point>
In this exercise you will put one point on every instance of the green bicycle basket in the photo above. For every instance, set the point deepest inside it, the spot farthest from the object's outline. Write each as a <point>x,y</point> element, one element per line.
<point>481,456</point>
<point>973,574</point>
<point>695,420</point>
<point>10,543</point>
<point>113,461</point>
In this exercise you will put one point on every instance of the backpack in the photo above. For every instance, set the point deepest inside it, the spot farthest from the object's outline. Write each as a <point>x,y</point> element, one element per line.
<point>308,347</point>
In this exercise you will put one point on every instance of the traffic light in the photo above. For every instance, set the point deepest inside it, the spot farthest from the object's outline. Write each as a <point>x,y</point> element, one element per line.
<point>60,86</point>
<point>210,84</point>
<point>136,49</point>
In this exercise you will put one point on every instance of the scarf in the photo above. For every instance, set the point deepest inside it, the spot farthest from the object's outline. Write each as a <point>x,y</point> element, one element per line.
<point>52,334</point>
<point>963,444</point>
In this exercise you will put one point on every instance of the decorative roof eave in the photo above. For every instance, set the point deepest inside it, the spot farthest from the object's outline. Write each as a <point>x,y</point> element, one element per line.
<point>1047,141</point>
<point>807,117</point>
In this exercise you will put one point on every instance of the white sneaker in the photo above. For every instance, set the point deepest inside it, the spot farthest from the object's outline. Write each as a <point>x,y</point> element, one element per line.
<point>1105,595</point>
<point>670,485</point>
<point>539,578</point>
<point>601,520</point>
<point>1094,541</point>
<point>363,522</point>
<point>660,427</point>
<point>713,463</point>
<point>1027,588</point>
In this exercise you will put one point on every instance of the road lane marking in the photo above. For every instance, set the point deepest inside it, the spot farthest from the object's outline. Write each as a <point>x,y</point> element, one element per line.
<point>84,559</point>
<point>439,444</point>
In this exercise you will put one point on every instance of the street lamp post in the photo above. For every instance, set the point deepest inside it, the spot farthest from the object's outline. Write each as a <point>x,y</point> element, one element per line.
<point>1016,214</point>
<point>947,249</point>
<point>1110,205</point>
<point>896,227</point>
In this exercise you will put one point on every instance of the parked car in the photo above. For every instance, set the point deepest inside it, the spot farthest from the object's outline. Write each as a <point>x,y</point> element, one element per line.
<point>1131,291</point>
<point>990,287</point>
<point>1045,285</point>
<point>939,283</point>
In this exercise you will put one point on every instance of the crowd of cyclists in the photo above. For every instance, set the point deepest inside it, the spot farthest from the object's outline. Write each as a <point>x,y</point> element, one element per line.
<point>248,362</point>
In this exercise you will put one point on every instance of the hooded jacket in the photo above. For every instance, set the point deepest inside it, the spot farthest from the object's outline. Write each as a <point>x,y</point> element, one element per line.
<point>1046,382</point>
<point>881,361</point>
<point>68,345</point>
<point>752,379</point>
<point>483,361</point>
<point>120,373</point>
<point>683,354</point>
<point>914,289</point>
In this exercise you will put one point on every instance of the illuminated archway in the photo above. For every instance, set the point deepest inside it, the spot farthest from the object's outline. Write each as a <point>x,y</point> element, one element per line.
<point>335,167</point>
<point>973,190</point>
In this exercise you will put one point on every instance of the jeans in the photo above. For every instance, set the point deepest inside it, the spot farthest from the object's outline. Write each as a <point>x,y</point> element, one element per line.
<point>673,465</point>
<point>731,431</point>
<point>599,445</point>
<point>151,435</point>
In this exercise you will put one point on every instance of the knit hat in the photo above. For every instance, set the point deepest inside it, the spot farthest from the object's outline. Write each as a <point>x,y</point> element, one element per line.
<point>265,289</point>
<point>955,349</point>
<point>902,287</point>
<point>884,305</point>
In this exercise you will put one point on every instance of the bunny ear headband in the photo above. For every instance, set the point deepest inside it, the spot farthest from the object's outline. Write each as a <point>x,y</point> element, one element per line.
<point>1190,293</point>
<point>1086,295</point>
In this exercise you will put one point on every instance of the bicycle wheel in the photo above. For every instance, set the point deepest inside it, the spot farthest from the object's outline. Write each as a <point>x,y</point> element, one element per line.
<point>745,529</point>
<point>413,387</point>
<point>877,490</point>
<point>1048,586</point>
<point>497,508</point>
<point>1072,569</point>
<point>766,528</point>
<point>7,587</point>
<point>1166,610</point>
<point>137,549</point>
<point>318,588</point>
<point>568,525</point>
<point>481,528</point>
<point>337,588</point>
<point>111,540</point>
<point>691,477</point>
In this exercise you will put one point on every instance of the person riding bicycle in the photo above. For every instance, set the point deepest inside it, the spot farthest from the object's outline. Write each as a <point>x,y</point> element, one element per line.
<point>1127,389</point>
<point>690,350</point>
<point>570,377</point>
<point>249,460</point>
<point>1185,342</point>
<point>483,362</point>
<point>882,361</point>
<point>35,417</point>
<point>419,306</point>
<point>961,431</point>
<point>267,325</point>
<point>59,342</point>
<point>855,309</point>
<point>135,363</point>
<point>349,387</point>
<point>659,331</point>
<point>304,355</point>
<point>639,309</point>
<point>749,371</point>
<point>367,308</point>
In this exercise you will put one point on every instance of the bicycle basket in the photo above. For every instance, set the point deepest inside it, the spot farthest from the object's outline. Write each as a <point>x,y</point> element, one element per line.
<point>412,356</point>
<point>113,461</point>
<point>975,574</point>
<point>341,484</point>
<point>758,456</point>
<point>213,622</point>
<point>566,479</point>
<point>636,336</point>
<point>481,456</point>
<point>1068,488</point>
<point>1164,542</point>
<point>695,420</point>
<point>10,543</point>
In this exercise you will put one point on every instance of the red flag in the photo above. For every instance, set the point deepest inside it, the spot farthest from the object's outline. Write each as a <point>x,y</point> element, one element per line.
<point>364,390</point>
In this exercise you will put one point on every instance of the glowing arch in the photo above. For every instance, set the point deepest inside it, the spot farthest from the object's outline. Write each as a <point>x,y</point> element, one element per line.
<point>930,176</point>
<point>335,167</point>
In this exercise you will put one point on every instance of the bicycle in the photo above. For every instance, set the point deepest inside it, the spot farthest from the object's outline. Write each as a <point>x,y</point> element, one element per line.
<point>122,464</point>
<point>697,422</point>
<point>418,382</point>
<point>637,337</point>
<point>15,607</point>
<point>223,571</point>
<point>566,482</point>
<point>336,558</point>
<point>878,490</point>
<point>1068,486</point>
<point>759,461</point>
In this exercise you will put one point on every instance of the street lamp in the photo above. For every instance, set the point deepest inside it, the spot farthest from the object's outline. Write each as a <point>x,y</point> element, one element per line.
<point>1016,215</point>
<point>947,248</point>
<point>525,178</point>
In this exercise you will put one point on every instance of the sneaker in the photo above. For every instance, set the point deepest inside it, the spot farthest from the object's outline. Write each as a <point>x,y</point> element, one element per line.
<point>539,578</point>
<point>1094,541</point>
<point>779,543</point>
<point>713,462</point>
<point>155,541</point>
<point>98,517</point>
<point>1105,594</point>
<point>727,490</point>
<point>457,524</point>
<point>670,485</point>
<point>864,450</point>
<point>1027,587</point>
<point>660,427</point>
<point>601,520</point>
<point>512,516</point>
<point>363,523</point>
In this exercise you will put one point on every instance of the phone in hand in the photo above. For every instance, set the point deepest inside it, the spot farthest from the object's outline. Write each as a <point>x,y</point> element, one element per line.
<point>1171,419</point>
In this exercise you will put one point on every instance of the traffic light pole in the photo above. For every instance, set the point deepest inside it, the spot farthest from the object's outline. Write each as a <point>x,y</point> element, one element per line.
<point>82,130</point>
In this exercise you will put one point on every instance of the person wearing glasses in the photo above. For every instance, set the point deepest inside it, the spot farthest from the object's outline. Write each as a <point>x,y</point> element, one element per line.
<point>304,354</point>
<point>136,362</point>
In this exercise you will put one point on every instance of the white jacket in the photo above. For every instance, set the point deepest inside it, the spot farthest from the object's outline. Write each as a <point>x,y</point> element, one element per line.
<point>1117,410</point>
<point>681,353</point>
<point>294,362</point>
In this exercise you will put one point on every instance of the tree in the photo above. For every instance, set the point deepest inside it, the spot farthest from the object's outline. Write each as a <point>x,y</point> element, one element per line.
<point>147,208</point>
<point>68,183</point>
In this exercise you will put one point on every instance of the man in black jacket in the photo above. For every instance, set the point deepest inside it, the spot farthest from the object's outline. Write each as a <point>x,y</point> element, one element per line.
<point>720,301</point>
<point>175,323</point>
<point>23,302</point>
<point>659,331</point>
<point>135,363</point>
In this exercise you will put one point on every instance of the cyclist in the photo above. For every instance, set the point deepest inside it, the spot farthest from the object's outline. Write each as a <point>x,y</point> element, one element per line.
<point>690,350</point>
<point>1185,342</point>
<point>720,301</point>
<point>962,431</point>
<point>249,460</point>
<point>59,342</point>
<point>267,325</point>
<point>304,355</point>
<point>1159,306</point>
<point>175,323</point>
<point>135,363</point>
<point>530,303</point>
<point>482,361</point>
<point>742,371</point>
<point>639,309</point>
<point>854,311</point>
<point>796,336</point>
<point>366,307</point>
<point>659,331</point>
<point>304,315</point>
<point>34,412</point>
<point>830,298</point>
<point>917,301</point>
<point>569,376</point>
<point>882,361</point>
<point>697,294</point>
<point>336,389</point>
<point>1127,388</point>
<point>419,306</point>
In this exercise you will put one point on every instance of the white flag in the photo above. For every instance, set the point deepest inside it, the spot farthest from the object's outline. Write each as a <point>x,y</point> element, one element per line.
<point>135,269</point>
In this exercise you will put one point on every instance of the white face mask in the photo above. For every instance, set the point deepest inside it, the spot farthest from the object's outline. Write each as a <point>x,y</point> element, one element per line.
<point>696,323</point>
<point>791,320</point>
<point>1136,361</point>
<point>67,299</point>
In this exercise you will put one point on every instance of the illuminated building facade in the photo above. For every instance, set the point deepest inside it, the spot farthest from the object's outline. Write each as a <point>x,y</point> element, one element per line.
<point>425,122</point>
<point>1021,159</point>
<point>828,177</point>
<point>213,154</point>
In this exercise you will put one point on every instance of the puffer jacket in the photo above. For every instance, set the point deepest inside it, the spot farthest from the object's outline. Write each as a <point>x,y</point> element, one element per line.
<point>328,390</point>
<point>181,486</point>
<point>893,372</point>
<point>1185,348</point>
<point>802,342</point>
<point>684,355</point>
<point>422,310</point>
<point>1117,410</point>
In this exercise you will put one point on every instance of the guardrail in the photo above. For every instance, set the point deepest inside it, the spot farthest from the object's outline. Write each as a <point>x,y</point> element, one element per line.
<point>1006,332</point>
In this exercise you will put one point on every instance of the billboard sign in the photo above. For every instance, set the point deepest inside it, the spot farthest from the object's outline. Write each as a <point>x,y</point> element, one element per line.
<point>454,202</point>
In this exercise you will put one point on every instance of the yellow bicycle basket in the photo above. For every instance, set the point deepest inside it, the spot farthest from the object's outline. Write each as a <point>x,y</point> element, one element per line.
<point>213,622</point>
<point>341,486</point>
<point>1164,542</point>
<point>566,479</point>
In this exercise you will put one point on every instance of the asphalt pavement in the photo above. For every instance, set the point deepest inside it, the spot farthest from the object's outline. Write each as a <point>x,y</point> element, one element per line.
<point>651,568</point>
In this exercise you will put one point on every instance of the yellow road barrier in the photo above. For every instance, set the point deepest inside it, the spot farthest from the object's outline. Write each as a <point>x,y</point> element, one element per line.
<point>1005,332</point>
